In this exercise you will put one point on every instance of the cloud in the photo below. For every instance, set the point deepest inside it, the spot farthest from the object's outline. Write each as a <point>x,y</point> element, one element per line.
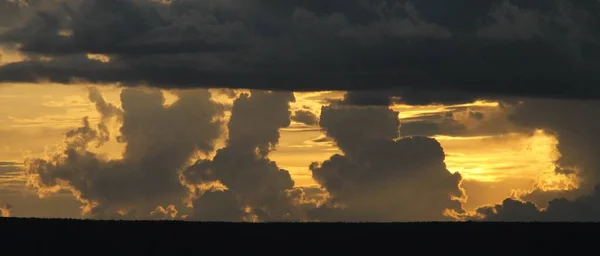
<point>6,210</point>
<point>575,124</point>
<point>159,141</point>
<point>218,206</point>
<point>251,179</point>
<point>583,209</point>
<point>476,115</point>
<point>161,213</point>
<point>512,23</point>
<point>106,110</point>
<point>380,177</point>
<point>9,14</point>
<point>546,48</point>
<point>463,121</point>
<point>306,117</point>
<point>412,96</point>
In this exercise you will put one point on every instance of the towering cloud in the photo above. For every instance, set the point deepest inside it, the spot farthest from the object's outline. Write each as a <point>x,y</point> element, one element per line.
<point>380,177</point>
<point>546,48</point>
<point>106,110</point>
<point>256,188</point>
<point>159,141</point>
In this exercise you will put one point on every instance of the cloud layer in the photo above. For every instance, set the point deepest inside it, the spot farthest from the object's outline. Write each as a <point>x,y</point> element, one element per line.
<point>413,52</point>
<point>541,48</point>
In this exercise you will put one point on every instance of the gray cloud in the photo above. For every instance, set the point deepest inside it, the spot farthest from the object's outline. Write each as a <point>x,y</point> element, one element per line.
<point>10,14</point>
<point>464,121</point>
<point>380,178</point>
<point>218,206</point>
<point>106,110</point>
<point>513,47</point>
<point>583,209</point>
<point>305,117</point>
<point>252,180</point>
<point>160,140</point>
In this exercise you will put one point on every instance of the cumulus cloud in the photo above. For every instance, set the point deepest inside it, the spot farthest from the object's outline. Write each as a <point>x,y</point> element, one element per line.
<point>498,46</point>
<point>583,209</point>
<point>256,188</point>
<point>306,117</point>
<point>380,177</point>
<point>6,210</point>
<point>160,139</point>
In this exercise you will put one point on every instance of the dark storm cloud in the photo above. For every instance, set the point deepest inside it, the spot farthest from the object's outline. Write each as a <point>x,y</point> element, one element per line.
<point>545,48</point>
<point>583,209</point>
<point>243,166</point>
<point>10,14</point>
<point>160,140</point>
<point>379,178</point>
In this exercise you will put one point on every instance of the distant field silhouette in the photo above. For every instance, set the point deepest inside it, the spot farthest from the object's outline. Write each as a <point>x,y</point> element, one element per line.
<point>43,236</point>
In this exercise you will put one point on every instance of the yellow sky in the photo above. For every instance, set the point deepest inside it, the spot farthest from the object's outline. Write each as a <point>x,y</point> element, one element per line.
<point>33,119</point>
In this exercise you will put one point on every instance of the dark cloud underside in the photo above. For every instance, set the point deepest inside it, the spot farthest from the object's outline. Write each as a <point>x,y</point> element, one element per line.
<point>541,48</point>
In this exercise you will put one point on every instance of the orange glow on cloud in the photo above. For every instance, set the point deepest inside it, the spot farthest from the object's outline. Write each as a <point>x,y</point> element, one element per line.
<point>49,111</point>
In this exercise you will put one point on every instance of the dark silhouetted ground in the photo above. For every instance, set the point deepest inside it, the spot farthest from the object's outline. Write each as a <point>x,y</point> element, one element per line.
<point>87,237</point>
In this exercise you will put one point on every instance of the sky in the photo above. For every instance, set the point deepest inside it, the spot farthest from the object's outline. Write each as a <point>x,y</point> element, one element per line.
<point>356,110</point>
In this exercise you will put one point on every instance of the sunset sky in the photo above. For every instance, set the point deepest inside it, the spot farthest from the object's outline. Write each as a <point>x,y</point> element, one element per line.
<point>123,109</point>
<point>35,118</point>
